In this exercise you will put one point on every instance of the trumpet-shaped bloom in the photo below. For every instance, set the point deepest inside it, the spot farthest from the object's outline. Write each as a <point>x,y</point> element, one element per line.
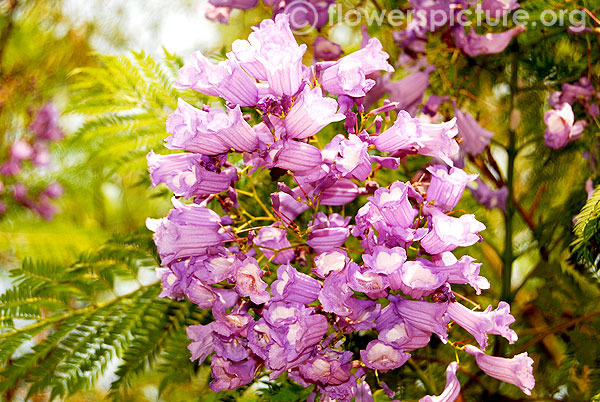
<point>348,76</point>
<point>446,187</point>
<point>561,127</point>
<point>248,280</point>
<point>311,102</point>
<point>383,357</point>
<point>225,79</point>
<point>517,370</point>
<point>187,231</point>
<point>447,232</point>
<point>480,324</point>
<point>490,43</point>
<point>475,138</point>
<point>452,389</point>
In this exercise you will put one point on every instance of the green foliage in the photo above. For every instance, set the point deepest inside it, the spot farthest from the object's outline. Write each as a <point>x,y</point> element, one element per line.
<point>586,247</point>
<point>80,317</point>
<point>127,100</point>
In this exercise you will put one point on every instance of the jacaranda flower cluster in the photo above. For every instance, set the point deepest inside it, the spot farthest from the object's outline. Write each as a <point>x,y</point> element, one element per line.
<point>294,319</point>
<point>32,151</point>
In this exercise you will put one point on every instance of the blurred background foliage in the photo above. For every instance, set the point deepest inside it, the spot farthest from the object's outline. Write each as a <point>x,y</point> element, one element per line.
<point>91,325</point>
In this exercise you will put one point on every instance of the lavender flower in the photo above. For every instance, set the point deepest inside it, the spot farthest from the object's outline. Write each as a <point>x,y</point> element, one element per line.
<point>185,176</point>
<point>446,187</point>
<point>226,79</point>
<point>452,390</point>
<point>189,128</point>
<point>497,8</point>
<point>447,232</point>
<point>490,43</point>
<point>187,231</point>
<point>479,324</point>
<point>294,286</point>
<point>383,357</point>
<point>45,126</point>
<point>348,75</point>
<point>275,238</point>
<point>240,4</point>
<point>311,102</point>
<point>409,91</point>
<point>517,370</point>
<point>561,127</point>
<point>393,204</point>
<point>489,198</point>
<point>272,54</point>
<point>248,280</point>
<point>230,375</point>
<point>325,49</point>
<point>475,138</point>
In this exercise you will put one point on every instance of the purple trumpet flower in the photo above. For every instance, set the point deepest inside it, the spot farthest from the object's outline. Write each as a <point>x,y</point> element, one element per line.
<point>202,341</point>
<point>230,375</point>
<point>353,157</point>
<point>213,268</point>
<point>217,14</point>
<point>383,357</point>
<point>561,127</point>
<point>325,49</point>
<point>233,131</point>
<point>452,390</point>
<point>349,75</point>
<point>361,317</point>
<point>45,126</point>
<point>367,282</point>
<point>295,155</point>
<point>294,286</point>
<point>517,370</point>
<point>580,91</point>
<point>474,45</point>
<point>489,198</point>
<point>20,150</point>
<point>189,129</point>
<point>475,138</point>
<point>248,280</point>
<point>446,187</point>
<point>393,204</point>
<point>463,271</point>
<point>409,91</point>
<point>297,329</point>
<point>385,260</point>
<point>225,79</point>
<point>430,317</point>
<point>336,291</point>
<point>341,192</point>
<point>416,279</point>
<point>328,232</point>
<point>331,261</point>
<point>240,4</point>
<point>275,238</point>
<point>394,330</point>
<point>186,177</point>
<point>409,135</point>
<point>433,104</point>
<point>271,54</point>
<point>311,102</point>
<point>447,232</point>
<point>480,324</point>
<point>328,367</point>
<point>187,231</point>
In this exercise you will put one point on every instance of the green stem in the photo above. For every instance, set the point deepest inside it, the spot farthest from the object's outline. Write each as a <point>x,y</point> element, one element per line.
<point>429,385</point>
<point>511,150</point>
